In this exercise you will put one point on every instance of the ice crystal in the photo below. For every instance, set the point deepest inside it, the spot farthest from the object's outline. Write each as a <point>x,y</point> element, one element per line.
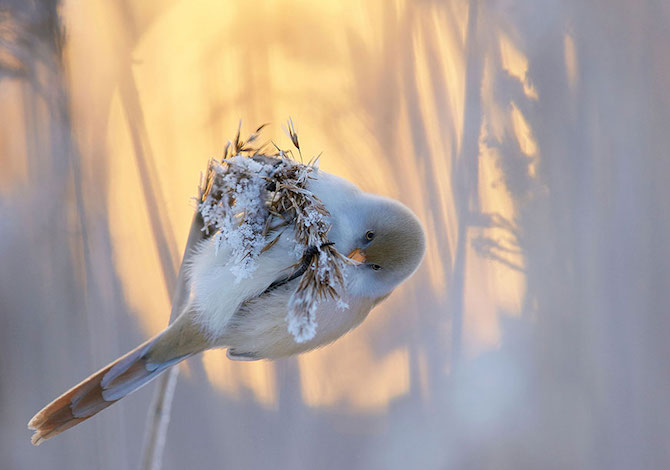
<point>236,210</point>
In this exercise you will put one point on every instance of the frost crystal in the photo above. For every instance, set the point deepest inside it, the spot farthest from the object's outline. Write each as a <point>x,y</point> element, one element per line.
<point>248,198</point>
<point>301,319</point>
<point>236,210</point>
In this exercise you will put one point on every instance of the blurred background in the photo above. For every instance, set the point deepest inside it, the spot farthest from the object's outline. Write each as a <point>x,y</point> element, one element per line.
<point>531,138</point>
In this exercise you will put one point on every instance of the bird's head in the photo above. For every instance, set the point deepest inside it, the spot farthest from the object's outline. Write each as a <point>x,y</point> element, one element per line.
<point>382,237</point>
<point>387,244</point>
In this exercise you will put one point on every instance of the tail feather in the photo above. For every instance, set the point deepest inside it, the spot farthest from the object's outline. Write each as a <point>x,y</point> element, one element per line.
<point>138,374</point>
<point>100,390</point>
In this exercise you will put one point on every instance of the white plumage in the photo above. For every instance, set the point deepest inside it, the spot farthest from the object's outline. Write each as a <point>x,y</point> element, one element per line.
<point>235,313</point>
<point>248,314</point>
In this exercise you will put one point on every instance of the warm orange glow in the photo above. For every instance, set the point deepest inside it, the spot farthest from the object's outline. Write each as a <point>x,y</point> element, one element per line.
<point>13,159</point>
<point>570,60</point>
<point>516,64</point>
<point>523,132</point>
<point>176,91</point>
<point>135,253</point>
<point>492,287</point>
<point>377,380</point>
<point>238,379</point>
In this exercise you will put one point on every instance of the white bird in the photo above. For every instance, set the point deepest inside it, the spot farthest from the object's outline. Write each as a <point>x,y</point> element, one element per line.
<point>248,316</point>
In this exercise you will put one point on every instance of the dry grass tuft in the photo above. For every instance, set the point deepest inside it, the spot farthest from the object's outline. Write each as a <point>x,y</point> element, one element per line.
<point>280,181</point>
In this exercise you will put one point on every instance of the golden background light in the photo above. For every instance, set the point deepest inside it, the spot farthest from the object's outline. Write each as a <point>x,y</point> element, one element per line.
<point>177,89</point>
<point>528,137</point>
<point>166,97</point>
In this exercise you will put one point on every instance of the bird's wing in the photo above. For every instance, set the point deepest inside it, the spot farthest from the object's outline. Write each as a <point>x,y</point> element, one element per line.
<point>217,292</point>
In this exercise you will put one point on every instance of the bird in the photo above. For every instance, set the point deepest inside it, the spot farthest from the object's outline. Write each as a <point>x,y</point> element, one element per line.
<point>384,243</point>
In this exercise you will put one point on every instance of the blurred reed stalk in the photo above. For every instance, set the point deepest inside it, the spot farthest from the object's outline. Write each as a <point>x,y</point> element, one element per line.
<point>465,179</point>
<point>158,417</point>
<point>159,411</point>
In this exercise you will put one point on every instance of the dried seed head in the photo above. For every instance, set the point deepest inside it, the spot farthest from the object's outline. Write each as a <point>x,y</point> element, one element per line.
<point>248,196</point>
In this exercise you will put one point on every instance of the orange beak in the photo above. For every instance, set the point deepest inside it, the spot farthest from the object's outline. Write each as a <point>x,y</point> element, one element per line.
<point>357,256</point>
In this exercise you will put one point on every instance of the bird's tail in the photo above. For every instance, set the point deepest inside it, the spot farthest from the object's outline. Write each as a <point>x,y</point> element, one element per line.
<point>100,390</point>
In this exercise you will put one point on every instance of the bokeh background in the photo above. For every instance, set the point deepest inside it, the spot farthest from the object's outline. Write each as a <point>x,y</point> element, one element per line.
<point>531,138</point>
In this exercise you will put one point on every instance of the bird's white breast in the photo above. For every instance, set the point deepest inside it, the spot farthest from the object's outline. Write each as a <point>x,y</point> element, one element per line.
<point>259,328</point>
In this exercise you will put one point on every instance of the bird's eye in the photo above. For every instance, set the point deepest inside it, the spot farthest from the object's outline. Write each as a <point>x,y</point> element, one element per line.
<point>375,267</point>
<point>369,235</point>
